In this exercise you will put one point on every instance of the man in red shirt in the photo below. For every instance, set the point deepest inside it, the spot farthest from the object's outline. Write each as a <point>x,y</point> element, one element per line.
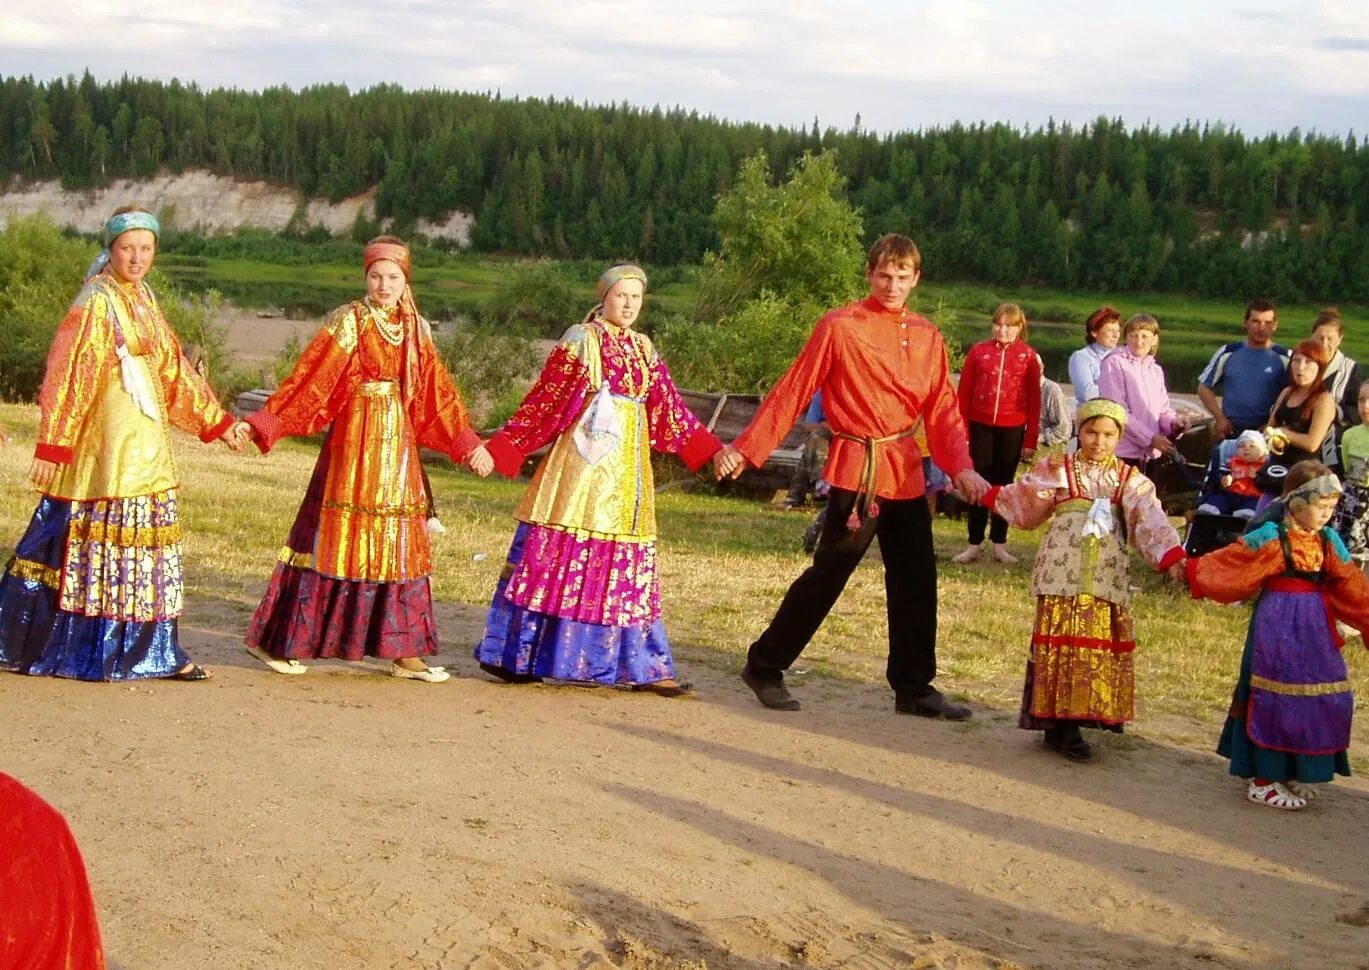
<point>883,372</point>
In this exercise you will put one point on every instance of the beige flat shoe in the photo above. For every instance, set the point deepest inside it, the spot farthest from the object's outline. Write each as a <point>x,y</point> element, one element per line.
<point>292,668</point>
<point>430,675</point>
<point>969,555</point>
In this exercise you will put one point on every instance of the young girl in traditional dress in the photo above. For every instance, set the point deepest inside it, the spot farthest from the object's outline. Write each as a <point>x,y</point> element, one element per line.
<point>1080,670</point>
<point>579,599</point>
<point>94,589</point>
<point>1000,400</point>
<point>352,580</point>
<point>1289,725</point>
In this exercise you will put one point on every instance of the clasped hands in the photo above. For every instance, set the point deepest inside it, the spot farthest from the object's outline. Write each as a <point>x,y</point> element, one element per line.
<point>238,436</point>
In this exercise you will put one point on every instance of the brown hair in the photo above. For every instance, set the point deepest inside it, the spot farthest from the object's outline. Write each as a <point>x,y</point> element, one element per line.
<point>1099,319</point>
<point>1302,473</point>
<point>1011,314</point>
<point>896,249</point>
<point>1329,317</point>
<point>1260,306</point>
<point>392,240</point>
<point>129,208</point>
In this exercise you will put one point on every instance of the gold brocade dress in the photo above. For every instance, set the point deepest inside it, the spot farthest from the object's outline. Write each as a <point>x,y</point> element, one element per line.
<point>352,578</point>
<point>94,590</point>
<point>1080,668</point>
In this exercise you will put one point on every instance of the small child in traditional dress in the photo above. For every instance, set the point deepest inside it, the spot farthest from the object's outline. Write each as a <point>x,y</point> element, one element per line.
<point>1000,401</point>
<point>1352,517</point>
<point>1080,671</point>
<point>1289,725</point>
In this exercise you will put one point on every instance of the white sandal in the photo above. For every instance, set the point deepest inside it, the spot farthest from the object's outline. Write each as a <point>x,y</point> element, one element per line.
<point>1307,792</point>
<point>291,667</point>
<point>431,675</point>
<point>1275,795</point>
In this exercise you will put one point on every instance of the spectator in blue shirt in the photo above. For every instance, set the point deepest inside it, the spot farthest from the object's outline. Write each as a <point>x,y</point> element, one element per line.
<point>1249,372</point>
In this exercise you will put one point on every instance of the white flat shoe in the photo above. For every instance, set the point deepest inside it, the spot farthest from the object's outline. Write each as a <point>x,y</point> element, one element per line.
<point>431,675</point>
<point>291,667</point>
<point>1275,795</point>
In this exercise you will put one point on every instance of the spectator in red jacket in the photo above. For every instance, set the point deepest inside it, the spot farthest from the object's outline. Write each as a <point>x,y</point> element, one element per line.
<point>1000,400</point>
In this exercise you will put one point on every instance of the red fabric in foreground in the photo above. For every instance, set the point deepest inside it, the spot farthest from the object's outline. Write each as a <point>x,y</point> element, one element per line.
<point>47,917</point>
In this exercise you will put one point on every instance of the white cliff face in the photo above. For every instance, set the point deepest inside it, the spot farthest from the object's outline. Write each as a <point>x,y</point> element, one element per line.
<point>201,200</point>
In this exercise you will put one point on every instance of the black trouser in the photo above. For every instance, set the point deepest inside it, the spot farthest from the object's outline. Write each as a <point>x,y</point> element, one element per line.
<point>995,453</point>
<point>904,527</point>
<point>428,491</point>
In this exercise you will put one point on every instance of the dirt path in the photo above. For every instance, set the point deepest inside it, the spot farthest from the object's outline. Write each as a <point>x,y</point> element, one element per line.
<point>347,819</point>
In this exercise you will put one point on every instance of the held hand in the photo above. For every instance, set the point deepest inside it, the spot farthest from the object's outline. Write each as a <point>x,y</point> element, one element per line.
<point>1162,444</point>
<point>41,473</point>
<point>1177,573</point>
<point>728,463</point>
<point>972,485</point>
<point>1028,454</point>
<point>480,461</point>
<point>237,436</point>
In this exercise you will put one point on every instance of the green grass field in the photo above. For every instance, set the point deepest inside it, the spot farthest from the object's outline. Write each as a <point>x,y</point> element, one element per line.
<point>726,562</point>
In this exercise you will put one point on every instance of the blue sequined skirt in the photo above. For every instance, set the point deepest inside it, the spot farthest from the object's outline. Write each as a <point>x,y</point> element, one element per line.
<point>39,637</point>
<point>524,641</point>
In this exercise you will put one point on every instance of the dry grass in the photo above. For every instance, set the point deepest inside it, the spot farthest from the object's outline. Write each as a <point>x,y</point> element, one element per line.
<point>725,564</point>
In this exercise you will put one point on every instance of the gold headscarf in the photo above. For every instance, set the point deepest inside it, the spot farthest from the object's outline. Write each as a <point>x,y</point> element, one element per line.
<point>1101,407</point>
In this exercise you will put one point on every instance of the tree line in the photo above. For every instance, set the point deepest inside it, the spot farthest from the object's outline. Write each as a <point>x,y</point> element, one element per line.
<point>1197,208</point>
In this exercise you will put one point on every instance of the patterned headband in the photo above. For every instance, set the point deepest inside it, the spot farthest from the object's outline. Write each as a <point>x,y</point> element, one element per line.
<point>1305,494</point>
<point>1101,407</point>
<point>394,252</point>
<point>616,274</point>
<point>124,221</point>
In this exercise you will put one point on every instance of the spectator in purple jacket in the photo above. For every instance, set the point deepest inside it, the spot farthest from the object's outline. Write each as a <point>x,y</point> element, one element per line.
<point>1132,377</point>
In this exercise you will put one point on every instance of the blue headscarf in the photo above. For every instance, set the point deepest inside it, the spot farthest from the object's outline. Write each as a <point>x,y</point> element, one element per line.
<point>118,225</point>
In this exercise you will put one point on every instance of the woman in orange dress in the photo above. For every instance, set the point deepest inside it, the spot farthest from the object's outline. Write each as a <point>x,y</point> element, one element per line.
<point>352,580</point>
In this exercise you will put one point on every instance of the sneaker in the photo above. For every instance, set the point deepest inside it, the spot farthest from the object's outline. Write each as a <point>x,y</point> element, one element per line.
<point>772,693</point>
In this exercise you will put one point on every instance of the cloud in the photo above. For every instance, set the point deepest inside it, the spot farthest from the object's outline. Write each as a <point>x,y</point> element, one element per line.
<point>1343,44</point>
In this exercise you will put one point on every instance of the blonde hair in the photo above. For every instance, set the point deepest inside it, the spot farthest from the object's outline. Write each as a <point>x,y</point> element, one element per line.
<point>1143,321</point>
<point>1012,315</point>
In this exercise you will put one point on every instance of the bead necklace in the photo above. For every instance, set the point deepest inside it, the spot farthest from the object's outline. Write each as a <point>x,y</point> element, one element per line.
<point>391,330</point>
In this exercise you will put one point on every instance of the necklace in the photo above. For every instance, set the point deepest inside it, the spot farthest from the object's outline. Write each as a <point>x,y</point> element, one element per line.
<point>635,373</point>
<point>391,330</point>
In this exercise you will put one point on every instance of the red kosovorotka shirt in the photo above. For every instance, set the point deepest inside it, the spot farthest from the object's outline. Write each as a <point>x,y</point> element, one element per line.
<point>880,371</point>
<point>1000,385</point>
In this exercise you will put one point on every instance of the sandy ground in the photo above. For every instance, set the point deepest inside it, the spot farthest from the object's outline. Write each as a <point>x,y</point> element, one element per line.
<point>349,819</point>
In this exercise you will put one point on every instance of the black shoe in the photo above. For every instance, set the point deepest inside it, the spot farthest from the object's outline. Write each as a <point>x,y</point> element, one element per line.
<point>932,704</point>
<point>509,676</point>
<point>1069,742</point>
<point>771,693</point>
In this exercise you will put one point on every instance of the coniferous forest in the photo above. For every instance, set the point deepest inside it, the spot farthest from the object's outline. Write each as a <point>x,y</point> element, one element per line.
<point>1198,208</point>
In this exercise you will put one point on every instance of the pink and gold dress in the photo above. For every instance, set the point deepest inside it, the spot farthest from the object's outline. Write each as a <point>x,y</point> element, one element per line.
<point>94,589</point>
<point>1080,668</point>
<point>579,598</point>
<point>352,579</point>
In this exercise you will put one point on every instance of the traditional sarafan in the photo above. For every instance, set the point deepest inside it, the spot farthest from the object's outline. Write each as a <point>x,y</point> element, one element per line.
<point>94,589</point>
<point>352,578</point>
<point>579,598</point>
<point>1079,671</point>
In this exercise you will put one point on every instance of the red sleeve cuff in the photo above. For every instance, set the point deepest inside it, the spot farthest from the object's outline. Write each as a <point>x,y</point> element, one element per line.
<point>58,454</point>
<point>218,430</point>
<point>466,442</point>
<point>266,429</point>
<point>990,497</point>
<point>1170,558</point>
<point>701,446</point>
<point>508,460</point>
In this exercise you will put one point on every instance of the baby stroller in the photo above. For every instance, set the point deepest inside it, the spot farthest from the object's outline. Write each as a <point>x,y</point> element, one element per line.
<point>1211,528</point>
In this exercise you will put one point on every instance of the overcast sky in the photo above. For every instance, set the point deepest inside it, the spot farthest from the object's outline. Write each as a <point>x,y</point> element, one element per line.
<point>1259,65</point>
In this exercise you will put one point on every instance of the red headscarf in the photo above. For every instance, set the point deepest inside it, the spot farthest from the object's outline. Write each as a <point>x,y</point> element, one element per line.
<point>399,254</point>
<point>47,917</point>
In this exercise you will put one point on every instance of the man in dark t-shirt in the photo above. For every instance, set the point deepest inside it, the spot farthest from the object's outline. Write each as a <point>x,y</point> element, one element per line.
<point>1249,372</point>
